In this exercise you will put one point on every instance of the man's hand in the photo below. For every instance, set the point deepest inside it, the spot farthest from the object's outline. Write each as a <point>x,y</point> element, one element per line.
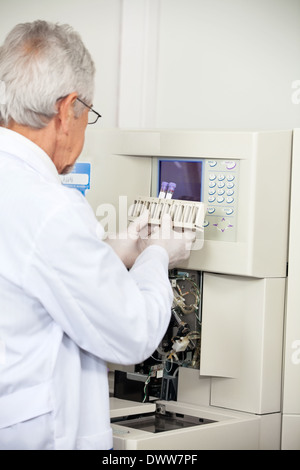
<point>139,235</point>
<point>126,244</point>
<point>177,243</point>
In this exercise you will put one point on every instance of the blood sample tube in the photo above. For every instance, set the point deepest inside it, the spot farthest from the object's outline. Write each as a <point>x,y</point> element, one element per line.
<point>163,190</point>
<point>171,189</point>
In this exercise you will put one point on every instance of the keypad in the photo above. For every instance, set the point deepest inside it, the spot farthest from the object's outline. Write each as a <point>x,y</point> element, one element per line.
<point>221,198</point>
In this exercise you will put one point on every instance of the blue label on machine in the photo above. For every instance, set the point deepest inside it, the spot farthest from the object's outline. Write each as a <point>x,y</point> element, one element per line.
<point>79,178</point>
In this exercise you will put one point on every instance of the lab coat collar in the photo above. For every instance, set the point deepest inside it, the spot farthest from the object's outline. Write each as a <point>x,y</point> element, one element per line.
<point>16,144</point>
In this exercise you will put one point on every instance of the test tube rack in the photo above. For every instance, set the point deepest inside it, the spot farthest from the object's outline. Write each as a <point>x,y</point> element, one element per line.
<point>184,214</point>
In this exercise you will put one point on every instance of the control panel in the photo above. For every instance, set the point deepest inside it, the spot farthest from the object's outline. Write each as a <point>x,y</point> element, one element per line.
<point>212,182</point>
<point>241,177</point>
<point>220,196</point>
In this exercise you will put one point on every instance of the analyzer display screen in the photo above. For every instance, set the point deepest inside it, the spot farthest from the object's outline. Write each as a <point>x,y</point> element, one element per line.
<point>186,174</point>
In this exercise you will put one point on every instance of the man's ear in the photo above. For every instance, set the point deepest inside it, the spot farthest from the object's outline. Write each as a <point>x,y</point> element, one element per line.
<point>66,111</point>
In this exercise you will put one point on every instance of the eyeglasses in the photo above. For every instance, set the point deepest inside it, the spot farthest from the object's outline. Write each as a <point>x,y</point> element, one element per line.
<point>93,115</point>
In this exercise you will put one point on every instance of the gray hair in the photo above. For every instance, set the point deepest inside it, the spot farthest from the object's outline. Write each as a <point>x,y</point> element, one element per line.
<point>41,62</point>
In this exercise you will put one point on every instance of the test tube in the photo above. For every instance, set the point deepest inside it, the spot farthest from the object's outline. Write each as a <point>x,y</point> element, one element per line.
<point>178,214</point>
<point>199,218</point>
<point>171,189</point>
<point>152,209</point>
<point>173,210</point>
<point>165,209</point>
<point>137,209</point>
<point>163,190</point>
<point>186,213</point>
<point>157,212</point>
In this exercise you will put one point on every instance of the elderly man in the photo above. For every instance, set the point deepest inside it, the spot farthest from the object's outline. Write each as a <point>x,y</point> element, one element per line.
<point>68,303</point>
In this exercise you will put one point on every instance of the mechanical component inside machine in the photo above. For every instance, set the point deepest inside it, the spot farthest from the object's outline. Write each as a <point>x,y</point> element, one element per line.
<point>160,421</point>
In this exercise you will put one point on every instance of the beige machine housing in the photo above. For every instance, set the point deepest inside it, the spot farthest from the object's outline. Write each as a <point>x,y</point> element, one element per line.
<point>245,273</point>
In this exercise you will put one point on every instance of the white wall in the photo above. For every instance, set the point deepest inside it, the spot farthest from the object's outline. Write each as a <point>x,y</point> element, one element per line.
<point>184,63</point>
<point>219,64</point>
<point>230,63</point>
<point>97,21</point>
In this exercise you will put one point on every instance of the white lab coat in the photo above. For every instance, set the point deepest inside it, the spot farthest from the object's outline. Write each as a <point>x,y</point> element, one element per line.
<point>67,305</point>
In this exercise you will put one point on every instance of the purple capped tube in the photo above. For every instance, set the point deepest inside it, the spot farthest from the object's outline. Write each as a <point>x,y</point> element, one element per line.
<point>163,190</point>
<point>171,189</point>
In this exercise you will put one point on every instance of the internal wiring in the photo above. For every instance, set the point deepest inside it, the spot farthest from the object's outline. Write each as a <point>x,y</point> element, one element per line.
<point>146,386</point>
<point>184,349</point>
<point>180,300</point>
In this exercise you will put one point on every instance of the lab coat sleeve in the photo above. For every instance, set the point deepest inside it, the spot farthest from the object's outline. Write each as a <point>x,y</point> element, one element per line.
<point>116,315</point>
